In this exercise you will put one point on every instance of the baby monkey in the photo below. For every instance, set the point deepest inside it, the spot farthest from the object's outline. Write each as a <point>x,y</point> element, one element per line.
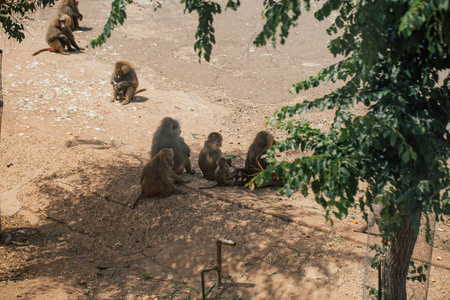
<point>222,174</point>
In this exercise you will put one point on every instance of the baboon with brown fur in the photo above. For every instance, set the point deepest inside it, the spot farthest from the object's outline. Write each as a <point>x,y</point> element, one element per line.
<point>157,177</point>
<point>210,154</point>
<point>125,82</point>
<point>167,135</point>
<point>222,174</point>
<point>255,163</point>
<point>59,35</point>
<point>70,8</point>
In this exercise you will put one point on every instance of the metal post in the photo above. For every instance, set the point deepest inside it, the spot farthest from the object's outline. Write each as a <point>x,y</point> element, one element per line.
<point>217,267</point>
<point>203,280</point>
<point>379,281</point>
<point>219,263</point>
<point>221,241</point>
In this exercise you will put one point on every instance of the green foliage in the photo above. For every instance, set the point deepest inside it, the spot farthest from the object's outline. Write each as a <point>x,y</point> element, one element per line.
<point>12,12</point>
<point>391,64</point>
<point>279,15</point>
<point>373,293</point>
<point>205,30</point>
<point>380,252</point>
<point>116,16</point>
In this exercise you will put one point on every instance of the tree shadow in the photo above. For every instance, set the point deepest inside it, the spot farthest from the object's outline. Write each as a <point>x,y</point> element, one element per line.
<point>87,230</point>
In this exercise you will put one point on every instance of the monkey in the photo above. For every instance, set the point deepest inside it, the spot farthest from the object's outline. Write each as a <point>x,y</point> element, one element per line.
<point>70,8</point>
<point>255,163</point>
<point>241,176</point>
<point>59,35</point>
<point>167,135</point>
<point>222,174</point>
<point>210,154</point>
<point>157,177</point>
<point>125,82</point>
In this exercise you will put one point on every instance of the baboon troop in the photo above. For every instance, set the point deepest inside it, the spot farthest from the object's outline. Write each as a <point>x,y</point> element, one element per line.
<point>210,154</point>
<point>70,8</point>
<point>157,177</point>
<point>125,82</point>
<point>59,35</point>
<point>170,155</point>
<point>167,135</point>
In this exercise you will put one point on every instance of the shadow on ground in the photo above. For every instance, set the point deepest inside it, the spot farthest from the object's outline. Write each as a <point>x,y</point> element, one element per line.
<point>88,235</point>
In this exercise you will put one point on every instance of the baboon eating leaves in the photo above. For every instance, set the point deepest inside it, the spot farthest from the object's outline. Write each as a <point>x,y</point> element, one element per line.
<point>70,8</point>
<point>59,35</point>
<point>167,135</point>
<point>222,174</point>
<point>157,177</point>
<point>210,154</point>
<point>125,82</point>
<point>254,162</point>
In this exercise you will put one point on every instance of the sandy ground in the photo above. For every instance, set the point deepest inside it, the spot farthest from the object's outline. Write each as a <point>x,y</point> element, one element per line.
<point>70,162</point>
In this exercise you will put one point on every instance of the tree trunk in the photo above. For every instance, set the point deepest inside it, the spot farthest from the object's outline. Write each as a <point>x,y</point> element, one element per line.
<point>396,264</point>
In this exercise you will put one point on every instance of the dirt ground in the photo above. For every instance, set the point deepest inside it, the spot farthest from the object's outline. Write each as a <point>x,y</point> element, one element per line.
<point>70,162</point>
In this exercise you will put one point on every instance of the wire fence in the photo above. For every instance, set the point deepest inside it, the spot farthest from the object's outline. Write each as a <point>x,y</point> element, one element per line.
<point>421,260</point>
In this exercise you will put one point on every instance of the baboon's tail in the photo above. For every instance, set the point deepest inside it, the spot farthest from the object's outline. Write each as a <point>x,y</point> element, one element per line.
<point>139,91</point>
<point>208,187</point>
<point>39,51</point>
<point>134,204</point>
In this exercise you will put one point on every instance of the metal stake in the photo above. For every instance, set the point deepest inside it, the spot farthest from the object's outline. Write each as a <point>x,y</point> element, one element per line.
<point>218,266</point>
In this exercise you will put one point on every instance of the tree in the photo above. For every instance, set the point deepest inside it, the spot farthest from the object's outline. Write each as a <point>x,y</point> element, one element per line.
<point>12,12</point>
<point>400,147</point>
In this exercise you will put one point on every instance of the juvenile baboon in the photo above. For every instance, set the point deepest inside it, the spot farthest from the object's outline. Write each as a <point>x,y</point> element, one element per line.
<point>59,35</point>
<point>167,135</point>
<point>241,176</point>
<point>70,8</point>
<point>255,163</point>
<point>210,154</point>
<point>157,177</point>
<point>125,82</point>
<point>222,174</point>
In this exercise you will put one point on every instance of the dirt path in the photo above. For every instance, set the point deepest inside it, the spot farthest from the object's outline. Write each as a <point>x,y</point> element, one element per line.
<point>71,159</point>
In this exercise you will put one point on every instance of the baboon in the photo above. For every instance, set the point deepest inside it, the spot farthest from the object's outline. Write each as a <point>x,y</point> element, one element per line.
<point>70,8</point>
<point>125,82</point>
<point>241,176</point>
<point>157,177</point>
<point>210,154</point>
<point>255,163</point>
<point>222,174</point>
<point>59,35</point>
<point>167,135</point>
